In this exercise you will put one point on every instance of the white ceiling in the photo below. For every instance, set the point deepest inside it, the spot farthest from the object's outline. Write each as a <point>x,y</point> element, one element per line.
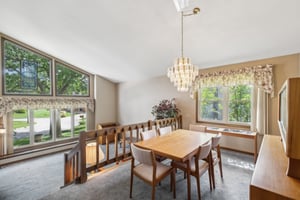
<point>126,40</point>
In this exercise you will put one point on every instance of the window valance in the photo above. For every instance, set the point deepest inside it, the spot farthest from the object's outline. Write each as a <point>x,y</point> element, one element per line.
<point>261,76</point>
<point>8,104</point>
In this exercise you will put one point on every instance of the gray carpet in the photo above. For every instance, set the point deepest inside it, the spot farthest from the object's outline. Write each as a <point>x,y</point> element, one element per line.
<point>41,178</point>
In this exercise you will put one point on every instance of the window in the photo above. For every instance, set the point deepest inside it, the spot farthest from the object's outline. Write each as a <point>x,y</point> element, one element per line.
<point>225,104</point>
<point>25,72</point>
<point>47,125</point>
<point>29,74</point>
<point>70,82</point>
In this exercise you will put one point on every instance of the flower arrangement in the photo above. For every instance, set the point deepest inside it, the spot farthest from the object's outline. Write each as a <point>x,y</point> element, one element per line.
<point>165,109</point>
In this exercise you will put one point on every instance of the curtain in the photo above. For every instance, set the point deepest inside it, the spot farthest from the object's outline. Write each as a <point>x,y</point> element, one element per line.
<point>261,126</point>
<point>261,77</point>
<point>8,104</point>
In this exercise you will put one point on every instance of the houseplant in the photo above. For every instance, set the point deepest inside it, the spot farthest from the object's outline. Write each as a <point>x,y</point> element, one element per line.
<point>165,109</point>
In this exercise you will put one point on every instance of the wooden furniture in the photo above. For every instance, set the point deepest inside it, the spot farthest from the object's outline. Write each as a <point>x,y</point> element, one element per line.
<point>149,170</point>
<point>216,155</point>
<point>288,121</point>
<point>237,133</point>
<point>145,135</point>
<point>200,163</point>
<point>164,130</point>
<point>269,180</point>
<point>179,145</point>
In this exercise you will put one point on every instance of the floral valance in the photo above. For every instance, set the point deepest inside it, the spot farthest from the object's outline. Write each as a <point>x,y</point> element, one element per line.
<point>8,104</point>
<point>261,76</point>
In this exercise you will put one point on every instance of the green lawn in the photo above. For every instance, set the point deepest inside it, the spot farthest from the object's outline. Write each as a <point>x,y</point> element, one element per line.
<point>20,124</point>
<point>40,113</point>
<point>45,138</point>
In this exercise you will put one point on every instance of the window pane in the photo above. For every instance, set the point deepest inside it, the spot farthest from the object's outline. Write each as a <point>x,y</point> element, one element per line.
<point>70,82</point>
<point>25,72</point>
<point>80,120</point>
<point>21,127</point>
<point>42,130</point>
<point>63,123</point>
<point>211,103</point>
<point>240,103</point>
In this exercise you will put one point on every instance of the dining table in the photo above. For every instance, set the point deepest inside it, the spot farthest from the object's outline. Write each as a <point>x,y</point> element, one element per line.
<point>179,145</point>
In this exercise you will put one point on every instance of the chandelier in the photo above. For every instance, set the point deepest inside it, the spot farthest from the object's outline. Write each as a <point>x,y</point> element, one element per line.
<point>183,73</point>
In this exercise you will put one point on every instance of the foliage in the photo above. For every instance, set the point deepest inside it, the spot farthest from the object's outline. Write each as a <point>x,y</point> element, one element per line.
<point>68,82</point>
<point>240,103</point>
<point>13,57</point>
<point>165,109</point>
<point>211,103</point>
<point>20,111</point>
<point>236,98</point>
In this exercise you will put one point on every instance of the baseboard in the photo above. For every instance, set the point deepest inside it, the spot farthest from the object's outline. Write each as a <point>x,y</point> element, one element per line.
<point>9,159</point>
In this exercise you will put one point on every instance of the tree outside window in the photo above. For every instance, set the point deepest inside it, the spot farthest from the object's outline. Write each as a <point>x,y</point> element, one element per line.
<point>225,104</point>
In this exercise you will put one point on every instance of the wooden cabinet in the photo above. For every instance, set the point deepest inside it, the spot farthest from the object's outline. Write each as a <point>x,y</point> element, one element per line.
<point>269,180</point>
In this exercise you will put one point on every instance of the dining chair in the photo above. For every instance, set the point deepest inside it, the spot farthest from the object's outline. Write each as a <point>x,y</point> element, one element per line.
<point>197,127</point>
<point>216,155</point>
<point>149,170</point>
<point>145,135</point>
<point>164,130</point>
<point>199,164</point>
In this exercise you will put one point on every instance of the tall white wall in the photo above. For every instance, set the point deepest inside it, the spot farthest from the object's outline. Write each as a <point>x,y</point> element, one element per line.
<point>106,100</point>
<point>135,100</point>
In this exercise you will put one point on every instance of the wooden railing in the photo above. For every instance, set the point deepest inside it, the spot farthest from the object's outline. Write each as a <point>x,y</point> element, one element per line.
<point>76,168</point>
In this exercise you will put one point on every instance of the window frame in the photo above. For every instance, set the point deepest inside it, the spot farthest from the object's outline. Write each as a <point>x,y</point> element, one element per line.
<point>225,102</point>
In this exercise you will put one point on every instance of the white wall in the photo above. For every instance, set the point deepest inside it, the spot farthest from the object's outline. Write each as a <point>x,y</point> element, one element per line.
<point>106,101</point>
<point>135,100</point>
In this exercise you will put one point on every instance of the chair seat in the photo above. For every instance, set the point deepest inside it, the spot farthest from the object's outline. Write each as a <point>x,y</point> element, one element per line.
<point>145,171</point>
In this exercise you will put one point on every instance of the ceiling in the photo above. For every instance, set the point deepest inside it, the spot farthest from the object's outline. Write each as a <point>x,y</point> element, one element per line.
<point>125,40</point>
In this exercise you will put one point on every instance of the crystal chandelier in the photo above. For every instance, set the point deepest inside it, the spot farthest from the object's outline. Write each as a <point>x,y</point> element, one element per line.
<point>183,72</point>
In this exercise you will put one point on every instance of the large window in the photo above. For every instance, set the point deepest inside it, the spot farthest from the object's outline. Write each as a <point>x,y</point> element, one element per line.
<point>225,104</point>
<point>70,82</point>
<point>28,76</point>
<point>46,125</point>
<point>25,72</point>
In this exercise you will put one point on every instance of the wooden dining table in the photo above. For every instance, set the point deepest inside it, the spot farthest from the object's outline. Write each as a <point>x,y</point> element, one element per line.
<point>179,145</point>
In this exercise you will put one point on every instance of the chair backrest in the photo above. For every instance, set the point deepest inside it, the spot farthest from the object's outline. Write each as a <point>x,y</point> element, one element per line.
<point>197,127</point>
<point>164,130</point>
<point>142,155</point>
<point>204,150</point>
<point>216,140</point>
<point>148,134</point>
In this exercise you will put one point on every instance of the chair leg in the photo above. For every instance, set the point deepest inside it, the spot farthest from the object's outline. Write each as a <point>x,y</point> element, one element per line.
<point>174,183</point>
<point>220,167</point>
<point>210,177</point>
<point>153,191</point>
<point>131,183</point>
<point>213,175</point>
<point>198,187</point>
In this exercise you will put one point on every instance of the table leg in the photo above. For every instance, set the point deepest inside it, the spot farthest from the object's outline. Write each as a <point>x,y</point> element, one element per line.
<point>188,173</point>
